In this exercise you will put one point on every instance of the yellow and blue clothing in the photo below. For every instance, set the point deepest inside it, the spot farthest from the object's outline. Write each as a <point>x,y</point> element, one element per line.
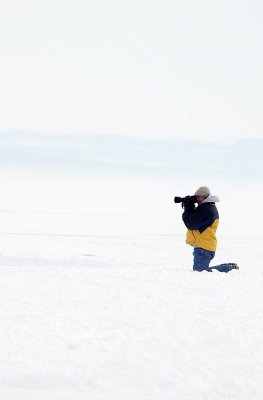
<point>202,224</point>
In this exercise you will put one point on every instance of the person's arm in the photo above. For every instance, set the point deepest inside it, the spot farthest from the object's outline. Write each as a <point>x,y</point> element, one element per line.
<point>197,219</point>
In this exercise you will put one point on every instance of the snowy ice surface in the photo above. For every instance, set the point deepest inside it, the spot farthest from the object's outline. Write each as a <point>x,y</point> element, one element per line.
<point>98,299</point>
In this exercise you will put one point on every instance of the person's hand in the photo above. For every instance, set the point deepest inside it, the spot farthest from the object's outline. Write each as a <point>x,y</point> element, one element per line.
<point>188,204</point>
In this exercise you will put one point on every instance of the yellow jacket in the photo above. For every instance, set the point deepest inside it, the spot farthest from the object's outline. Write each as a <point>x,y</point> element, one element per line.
<point>206,240</point>
<point>202,224</point>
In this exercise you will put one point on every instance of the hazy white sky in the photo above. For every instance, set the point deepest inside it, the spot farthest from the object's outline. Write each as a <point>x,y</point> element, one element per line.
<point>151,68</point>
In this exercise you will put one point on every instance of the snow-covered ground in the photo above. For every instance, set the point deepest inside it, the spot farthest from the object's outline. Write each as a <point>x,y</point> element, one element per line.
<point>98,300</point>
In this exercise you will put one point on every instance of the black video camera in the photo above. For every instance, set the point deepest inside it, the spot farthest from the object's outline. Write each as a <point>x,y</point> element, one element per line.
<point>188,202</point>
<point>189,199</point>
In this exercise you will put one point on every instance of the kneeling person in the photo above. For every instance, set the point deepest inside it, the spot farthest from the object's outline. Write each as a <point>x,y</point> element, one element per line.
<point>202,222</point>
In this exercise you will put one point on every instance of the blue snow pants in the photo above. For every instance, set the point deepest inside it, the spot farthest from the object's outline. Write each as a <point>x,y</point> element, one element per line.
<point>202,260</point>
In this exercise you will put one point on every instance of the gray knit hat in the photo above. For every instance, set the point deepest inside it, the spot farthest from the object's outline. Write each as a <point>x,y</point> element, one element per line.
<point>203,191</point>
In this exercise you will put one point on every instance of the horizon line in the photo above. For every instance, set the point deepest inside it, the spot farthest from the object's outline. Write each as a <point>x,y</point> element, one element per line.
<point>130,136</point>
